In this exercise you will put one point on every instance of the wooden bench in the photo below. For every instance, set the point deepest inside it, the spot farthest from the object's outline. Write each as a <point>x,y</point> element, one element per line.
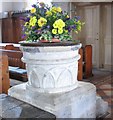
<point>11,47</point>
<point>17,68</point>
<point>87,61</point>
<point>4,74</point>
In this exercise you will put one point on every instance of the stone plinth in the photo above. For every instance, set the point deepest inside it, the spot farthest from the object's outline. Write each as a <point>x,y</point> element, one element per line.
<point>78,103</point>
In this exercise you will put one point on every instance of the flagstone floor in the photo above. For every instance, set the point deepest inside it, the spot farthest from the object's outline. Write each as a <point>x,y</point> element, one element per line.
<point>103,80</point>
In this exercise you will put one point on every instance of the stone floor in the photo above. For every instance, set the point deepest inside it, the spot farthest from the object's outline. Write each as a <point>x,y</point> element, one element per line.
<point>103,80</point>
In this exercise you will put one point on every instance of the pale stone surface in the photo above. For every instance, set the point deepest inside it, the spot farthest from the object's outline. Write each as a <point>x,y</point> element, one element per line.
<point>101,107</point>
<point>78,103</point>
<point>51,69</point>
<point>11,108</point>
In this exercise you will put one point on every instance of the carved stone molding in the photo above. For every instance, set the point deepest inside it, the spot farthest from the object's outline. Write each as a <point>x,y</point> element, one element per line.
<point>51,69</point>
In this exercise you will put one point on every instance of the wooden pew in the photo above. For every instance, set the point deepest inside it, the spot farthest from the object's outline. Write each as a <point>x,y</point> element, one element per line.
<point>11,47</point>
<point>87,61</point>
<point>14,58</point>
<point>15,63</point>
<point>4,74</point>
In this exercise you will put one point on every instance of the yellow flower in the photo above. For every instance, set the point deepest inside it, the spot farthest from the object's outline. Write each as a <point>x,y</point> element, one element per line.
<point>42,21</point>
<point>60,27</point>
<point>33,10</point>
<point>54,9</point>
<point>79,22</point>
<point>67,16</point>
<point>79,28</point>
<point>26,23</point>
<point>61,23</point>
<point>60,31</point>
<point>48,13</point>
<point>55,25</point>
<point>54,31</point>
<point>33,21</point>
<point>33,24</point>
<point>66,31</point>
<point>76,32</point>
<point>58,9</point>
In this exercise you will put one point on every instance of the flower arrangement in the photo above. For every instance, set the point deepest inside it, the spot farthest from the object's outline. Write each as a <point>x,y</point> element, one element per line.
<point>46,23</point>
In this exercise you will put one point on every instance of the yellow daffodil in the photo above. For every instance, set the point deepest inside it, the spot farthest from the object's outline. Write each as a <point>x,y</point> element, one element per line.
<point>33,21</point>
<point>54,31</point>
<point>59,9</point>
<point>48,13</point>
<point>60,31</point>
<point>33,10</point>
<point>42,21</point>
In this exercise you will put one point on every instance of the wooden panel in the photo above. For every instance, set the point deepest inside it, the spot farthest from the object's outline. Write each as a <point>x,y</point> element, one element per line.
<point>4,79</point>
<point>88,61</point>
<point>17,29</point>
<point>7,30</point>
<point>11,30</point>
